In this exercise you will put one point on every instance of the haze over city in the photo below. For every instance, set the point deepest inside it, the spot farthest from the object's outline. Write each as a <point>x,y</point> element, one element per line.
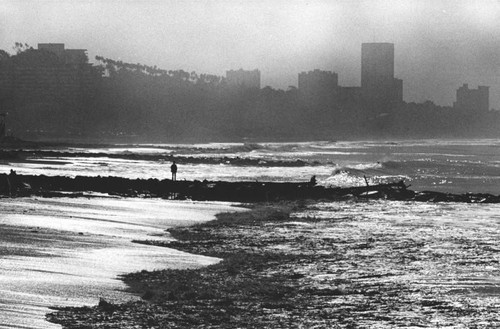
<point>439,45</point>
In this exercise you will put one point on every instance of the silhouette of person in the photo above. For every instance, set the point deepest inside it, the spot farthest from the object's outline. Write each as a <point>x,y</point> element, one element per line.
<point>173,169</point>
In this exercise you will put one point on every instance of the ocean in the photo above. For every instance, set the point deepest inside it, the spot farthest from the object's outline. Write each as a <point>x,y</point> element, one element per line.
<point>65,251</point>
<point>456,166</point>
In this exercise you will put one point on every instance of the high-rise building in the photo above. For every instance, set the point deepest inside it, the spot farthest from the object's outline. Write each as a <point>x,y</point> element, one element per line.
<point>242,78</point>
<point>377,64</point>
<point>381,90</point>
<point>472,101</point>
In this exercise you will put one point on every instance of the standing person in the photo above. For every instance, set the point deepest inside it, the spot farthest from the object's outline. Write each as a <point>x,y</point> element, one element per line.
<point>173,169</point>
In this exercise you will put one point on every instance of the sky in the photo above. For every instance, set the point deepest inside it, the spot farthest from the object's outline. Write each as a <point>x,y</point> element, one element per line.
<point>439,44</point>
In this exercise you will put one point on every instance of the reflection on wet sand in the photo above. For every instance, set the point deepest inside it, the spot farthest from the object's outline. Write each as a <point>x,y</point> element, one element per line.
<point>71,251</point>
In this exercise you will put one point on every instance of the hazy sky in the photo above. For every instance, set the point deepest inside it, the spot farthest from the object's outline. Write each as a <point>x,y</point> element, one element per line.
<point>440,44</point>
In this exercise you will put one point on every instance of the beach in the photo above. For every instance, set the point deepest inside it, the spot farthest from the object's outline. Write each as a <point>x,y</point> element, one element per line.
<point>67,251</point>
<point>290,266</point>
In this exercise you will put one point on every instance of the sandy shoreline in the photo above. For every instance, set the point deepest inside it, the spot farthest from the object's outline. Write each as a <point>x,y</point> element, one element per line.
<point>69,252</point>
<point>284,271</point>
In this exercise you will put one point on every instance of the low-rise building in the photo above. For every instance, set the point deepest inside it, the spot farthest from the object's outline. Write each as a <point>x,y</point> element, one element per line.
<point>472,100</point>
<point>243,78</point>
<point>67,56</point>
<point>318,83</point>
<point>50,82</point>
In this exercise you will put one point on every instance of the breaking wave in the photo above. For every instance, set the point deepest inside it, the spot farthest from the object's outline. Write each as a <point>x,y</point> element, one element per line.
<point>371,169</point>
<point>365,173</point>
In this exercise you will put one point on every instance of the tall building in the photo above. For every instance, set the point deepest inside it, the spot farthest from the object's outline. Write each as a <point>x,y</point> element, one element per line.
<point>242,78</point>
<point>377,64</point>
<point>472,101</point>
<point>318,83</point>
<point>381,90</point>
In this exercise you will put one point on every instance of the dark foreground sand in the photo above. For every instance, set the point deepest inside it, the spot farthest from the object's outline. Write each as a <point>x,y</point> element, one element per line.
<point>283,272</point>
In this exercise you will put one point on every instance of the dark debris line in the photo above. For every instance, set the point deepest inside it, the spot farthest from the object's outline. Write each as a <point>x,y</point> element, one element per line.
<point>49,186</point>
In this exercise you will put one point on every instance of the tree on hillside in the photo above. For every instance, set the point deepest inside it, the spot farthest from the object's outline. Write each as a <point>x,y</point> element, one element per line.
<point>4,55</point>
<point>20,47</point>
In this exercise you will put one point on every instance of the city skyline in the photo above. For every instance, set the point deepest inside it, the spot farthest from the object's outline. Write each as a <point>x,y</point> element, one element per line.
<point>439,45</point>
<point>54,91</point>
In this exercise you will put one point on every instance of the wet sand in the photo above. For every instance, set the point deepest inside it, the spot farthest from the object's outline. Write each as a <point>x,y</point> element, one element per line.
<point>64,252</point>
